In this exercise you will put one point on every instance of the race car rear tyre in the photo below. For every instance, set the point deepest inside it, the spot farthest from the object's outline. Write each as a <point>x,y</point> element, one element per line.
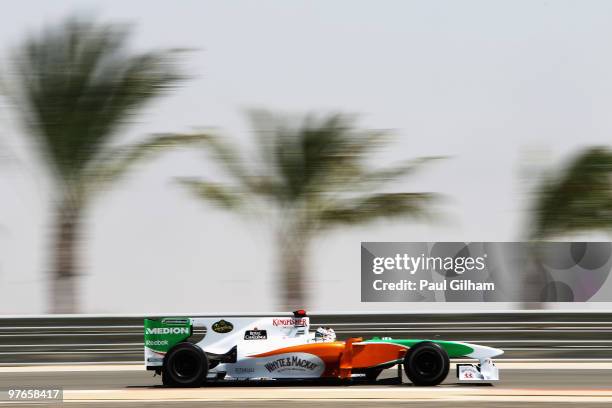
<point>185,365</point>
<point>166,380</point>
<point>426,364</point>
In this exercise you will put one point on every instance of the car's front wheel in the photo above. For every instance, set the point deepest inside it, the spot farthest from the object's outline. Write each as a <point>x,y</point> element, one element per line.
<point>185,365</point>
<point>426,364</point>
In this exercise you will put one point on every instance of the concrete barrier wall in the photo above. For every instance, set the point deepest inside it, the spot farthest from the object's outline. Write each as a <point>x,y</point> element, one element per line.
<point>119,339</point>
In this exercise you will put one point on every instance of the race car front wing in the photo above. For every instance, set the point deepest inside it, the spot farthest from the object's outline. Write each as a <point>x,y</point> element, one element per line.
<point>486,371</point>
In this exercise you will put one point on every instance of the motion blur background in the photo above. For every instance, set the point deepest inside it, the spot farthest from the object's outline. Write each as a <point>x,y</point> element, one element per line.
<point>511,96</point>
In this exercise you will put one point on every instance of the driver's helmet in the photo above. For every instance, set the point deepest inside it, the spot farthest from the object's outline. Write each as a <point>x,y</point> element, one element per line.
<point>325,334</point>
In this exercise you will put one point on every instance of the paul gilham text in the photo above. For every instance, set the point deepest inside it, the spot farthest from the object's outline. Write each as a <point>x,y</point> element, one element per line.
<point>455,284</point>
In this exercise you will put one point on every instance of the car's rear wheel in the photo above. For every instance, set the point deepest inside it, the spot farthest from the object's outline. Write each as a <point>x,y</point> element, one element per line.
<point>166,380</point>
<point>185,365</point>
<point>426,364</point>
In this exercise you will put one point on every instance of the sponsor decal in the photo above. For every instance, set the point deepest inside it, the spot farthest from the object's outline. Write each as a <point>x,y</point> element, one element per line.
<point>222,326</point>
<point>255,334</point>
<point>160,338</point>
<point>291,363</point>
<point>167,330</point>
<point>156,342</point>
<point>289,322</point>
<point>468,372</point>
<point>245,369</point>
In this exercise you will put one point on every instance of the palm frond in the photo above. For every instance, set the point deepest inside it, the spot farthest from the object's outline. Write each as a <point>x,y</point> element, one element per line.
<point>116,162</point>
<point>579,199</point>
<point>314,171</point>
<point>358,178</point>
<point>363,210</point>
<point>76,84</point>
<point>229,158</point>
<point>216,193</point>
<point>404,169</point>
<point>320,154</point>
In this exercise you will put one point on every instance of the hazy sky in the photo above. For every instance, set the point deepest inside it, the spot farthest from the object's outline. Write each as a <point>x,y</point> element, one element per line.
<point>504,88</point>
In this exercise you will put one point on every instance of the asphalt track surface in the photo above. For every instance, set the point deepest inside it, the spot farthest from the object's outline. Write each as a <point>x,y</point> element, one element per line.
<point>538,384</point>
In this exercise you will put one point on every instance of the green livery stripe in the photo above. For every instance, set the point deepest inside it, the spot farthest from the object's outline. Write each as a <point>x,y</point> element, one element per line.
<point>453,349</point>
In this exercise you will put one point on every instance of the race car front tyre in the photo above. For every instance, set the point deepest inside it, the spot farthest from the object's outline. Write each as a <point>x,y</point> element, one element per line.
<point>185,365</point>
<point>426,364</point>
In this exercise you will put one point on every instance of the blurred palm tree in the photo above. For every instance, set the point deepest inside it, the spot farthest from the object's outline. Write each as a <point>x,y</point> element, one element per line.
<point>76,85</point>
<point>577,200</point>
<point>311,177</point>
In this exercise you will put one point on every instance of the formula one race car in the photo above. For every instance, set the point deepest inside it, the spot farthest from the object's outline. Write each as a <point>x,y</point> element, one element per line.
<point>188,352</point>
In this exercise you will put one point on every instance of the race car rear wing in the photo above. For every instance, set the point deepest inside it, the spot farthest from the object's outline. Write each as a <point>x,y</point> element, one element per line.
<point>160,335</point>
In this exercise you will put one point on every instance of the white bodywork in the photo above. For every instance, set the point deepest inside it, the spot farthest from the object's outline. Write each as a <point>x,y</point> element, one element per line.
<point>279,332</point>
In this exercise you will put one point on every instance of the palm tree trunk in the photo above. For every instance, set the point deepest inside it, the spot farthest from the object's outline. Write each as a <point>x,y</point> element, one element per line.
<point>63,291</point>
<point>293,251</point>
<point>534,278</point>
